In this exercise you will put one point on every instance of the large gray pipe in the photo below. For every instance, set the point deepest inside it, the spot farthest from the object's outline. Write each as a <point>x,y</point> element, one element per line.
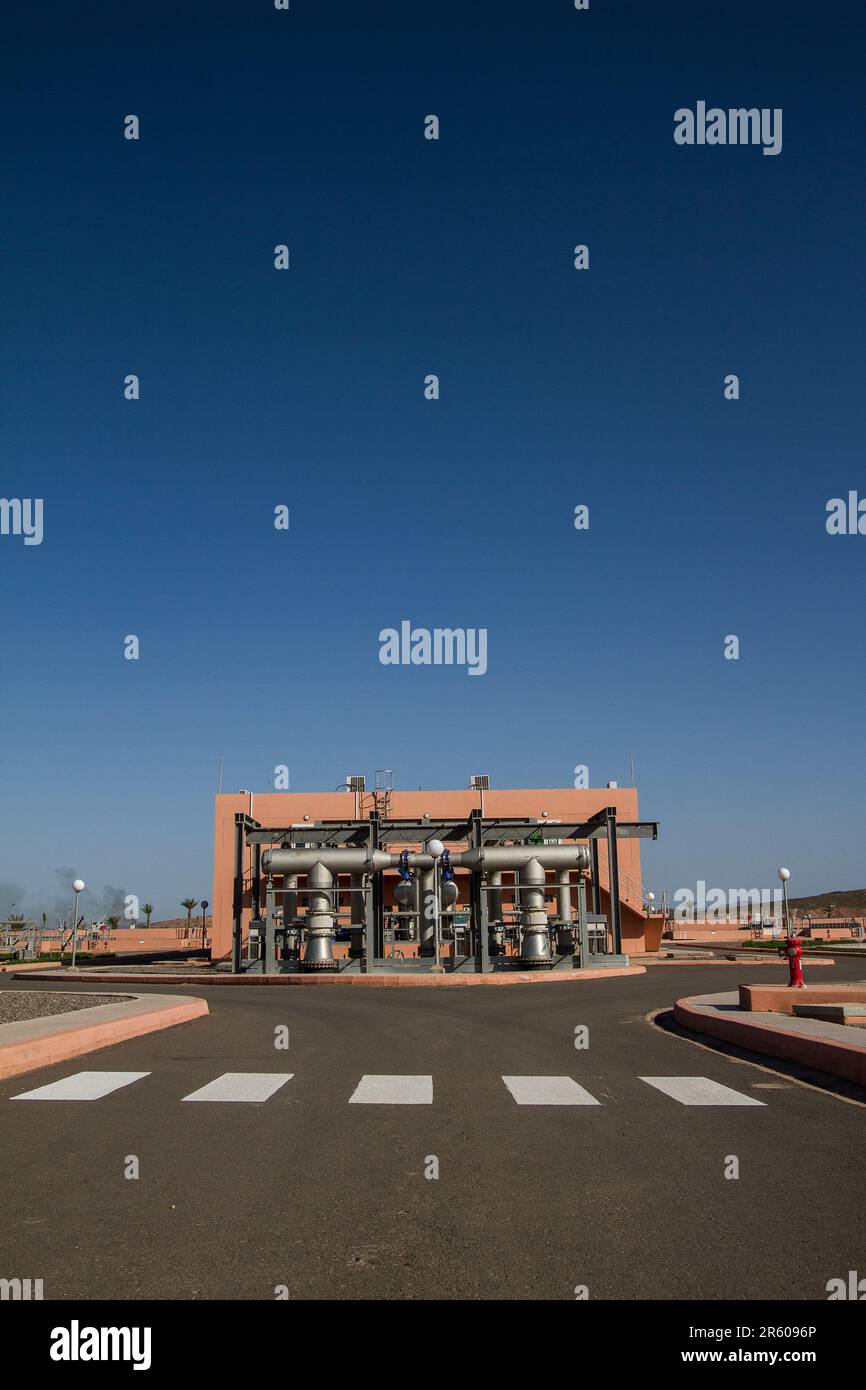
<point>518,856</point>
<point>290,916</point>
<point>494,914</point>
<point>320,921</point>
<point>494,897</point>
<point>535,943</point>
<point>563,896</point>
<point>290,899</point>
<point>428,924</point>
<point>300,861</point>
<point>282,861</point>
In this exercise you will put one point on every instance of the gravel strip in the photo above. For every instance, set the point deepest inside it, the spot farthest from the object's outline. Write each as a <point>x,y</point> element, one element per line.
<point>158,968</point>
<point>18,1005</point>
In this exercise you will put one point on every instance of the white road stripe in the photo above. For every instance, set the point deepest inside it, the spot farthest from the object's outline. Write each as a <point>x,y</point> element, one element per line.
<point>242,1086</point>
<point>393,1090</point>
<point>84,1085</point>
<point>548,1090</point>
<point>698,1090</point>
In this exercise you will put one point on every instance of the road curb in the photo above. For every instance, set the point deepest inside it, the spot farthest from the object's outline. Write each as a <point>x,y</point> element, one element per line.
<point>528,977</point>
<point>819,1054</point>
<point>19,968</point>
<point>39,1042</point>
<point>745,960</point>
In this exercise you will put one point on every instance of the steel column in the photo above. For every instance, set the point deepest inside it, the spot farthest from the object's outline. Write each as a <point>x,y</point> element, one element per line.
<point>257,881</point>
<point>613,871</point>
<point>270,959</point>
<point>238,902</point>
<point>596,886</point>
<point>478,905</point>
<point>372,913</point>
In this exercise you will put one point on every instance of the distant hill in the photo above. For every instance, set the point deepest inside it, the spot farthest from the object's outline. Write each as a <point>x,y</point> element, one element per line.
<point>843,901</point>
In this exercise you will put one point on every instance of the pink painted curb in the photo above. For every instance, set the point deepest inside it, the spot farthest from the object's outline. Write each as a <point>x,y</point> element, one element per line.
<point>741,960</point>
<point>19,967</point>
<point>529,977</point>
<point>820,1054</point>
<point>39,1042</point>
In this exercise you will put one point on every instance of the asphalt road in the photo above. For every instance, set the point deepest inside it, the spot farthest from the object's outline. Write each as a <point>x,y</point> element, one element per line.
<point>627,1197</point>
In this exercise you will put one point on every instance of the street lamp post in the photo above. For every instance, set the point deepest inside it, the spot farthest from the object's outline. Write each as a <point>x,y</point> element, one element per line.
<point>203,922</point>
<point>784,875</point>
<point>436,849</point>
<point>78,886</point>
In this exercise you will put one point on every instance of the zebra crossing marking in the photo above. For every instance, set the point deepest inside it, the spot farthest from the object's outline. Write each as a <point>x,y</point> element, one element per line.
<point>548,1090</point>
<point>254,1088</point>
<point>83,1085</point>
<point>393,1090</point>
<point>699,1090</point>
<point>241,1087</point>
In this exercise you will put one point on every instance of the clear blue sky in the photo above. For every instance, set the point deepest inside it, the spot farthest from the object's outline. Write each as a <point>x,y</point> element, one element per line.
<point>409,257</point>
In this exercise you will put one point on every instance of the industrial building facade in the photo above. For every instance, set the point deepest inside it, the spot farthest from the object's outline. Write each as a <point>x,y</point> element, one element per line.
<point>310,865</point>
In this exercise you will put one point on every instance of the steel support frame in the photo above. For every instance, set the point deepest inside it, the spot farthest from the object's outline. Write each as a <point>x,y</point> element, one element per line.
<point>373,920</point>
<point>596,885</point>
<point>270,956</point>
<point>476,831</point>
<point>613,881</point>
<point>478,901</point>
<point>241,823</point>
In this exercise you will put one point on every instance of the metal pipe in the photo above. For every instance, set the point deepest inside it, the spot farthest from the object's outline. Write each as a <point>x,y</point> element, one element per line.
<point>300,861</point>
<point>404,889</point>
<point>320,921</point>
<point>448,890</point>
<point>341,860</point>
<point>563,896</point>
<point>535,943</point>
<point>290,899</point>
<point>437,921</point>
<point>428,934</point>
<point>518,856</point>
<point>291,936</point>
<point>418,907</point>
<point>494,900</point>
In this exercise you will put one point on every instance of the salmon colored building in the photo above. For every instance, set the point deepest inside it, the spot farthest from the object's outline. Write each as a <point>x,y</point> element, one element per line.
<point>312,811</point>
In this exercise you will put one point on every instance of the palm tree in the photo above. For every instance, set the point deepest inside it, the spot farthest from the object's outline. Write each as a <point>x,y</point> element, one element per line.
<point>147,909</point>
<point>189,904</point>
<point>113,922</point>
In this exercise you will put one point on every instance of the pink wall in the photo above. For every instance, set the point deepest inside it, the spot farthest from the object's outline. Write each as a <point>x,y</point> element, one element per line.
<point>145,939</point>
<point>287,808</point>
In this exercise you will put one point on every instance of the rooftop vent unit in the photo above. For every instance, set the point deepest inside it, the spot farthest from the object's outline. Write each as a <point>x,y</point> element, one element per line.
<point>356,784</point>
<point>479,782</point>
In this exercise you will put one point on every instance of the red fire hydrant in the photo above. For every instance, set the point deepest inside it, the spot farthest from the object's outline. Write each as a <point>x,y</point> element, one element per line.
<point>793,950</point>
